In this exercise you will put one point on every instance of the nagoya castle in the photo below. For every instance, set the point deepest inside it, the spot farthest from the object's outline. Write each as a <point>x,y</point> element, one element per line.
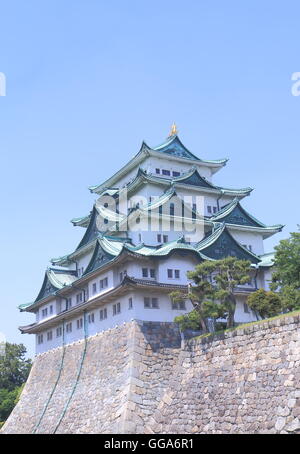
<point>154,220</point>
<point>111,360</point>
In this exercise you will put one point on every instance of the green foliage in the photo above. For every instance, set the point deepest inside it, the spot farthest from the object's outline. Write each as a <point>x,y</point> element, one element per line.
<point>286,276</point>
<point>189,321</point>
<point>267,304</point>
<point>14,370</point>
<point>8,400</point>
<point>213,293</point>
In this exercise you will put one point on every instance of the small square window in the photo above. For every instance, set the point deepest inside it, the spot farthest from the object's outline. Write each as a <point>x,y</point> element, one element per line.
<point>103,313</point>
<point>91,318</point>
<point>166,172</point>
<point>79,298</point>
<point>175,174</point>
<point>170,274</point>
<point>69,327</point>
<point>177,274</point>
<point>155,303</point>
<point>157,171</point>
<point>147,302</point>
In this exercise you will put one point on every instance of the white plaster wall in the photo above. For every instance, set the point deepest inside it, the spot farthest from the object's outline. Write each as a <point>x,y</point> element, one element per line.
<point>84,260</point>
<point>164,313</point>
<point>150,164</point>
<point>240,316</point>
<point>39,317</point>
<point>175,261</point>
<point>249,238</point>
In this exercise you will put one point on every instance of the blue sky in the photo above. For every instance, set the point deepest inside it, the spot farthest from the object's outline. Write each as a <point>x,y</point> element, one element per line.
<point>87,81</point>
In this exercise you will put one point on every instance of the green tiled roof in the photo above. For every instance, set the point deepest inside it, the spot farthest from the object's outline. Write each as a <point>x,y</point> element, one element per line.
<point>267,260</point>
<point>173,147</point>
<point>234,213</point>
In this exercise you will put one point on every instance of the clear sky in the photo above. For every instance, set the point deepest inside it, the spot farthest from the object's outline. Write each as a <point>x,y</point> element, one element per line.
<point>88,80</point>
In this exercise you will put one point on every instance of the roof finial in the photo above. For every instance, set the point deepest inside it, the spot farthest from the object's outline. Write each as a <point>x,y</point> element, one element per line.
<point>174,130</point>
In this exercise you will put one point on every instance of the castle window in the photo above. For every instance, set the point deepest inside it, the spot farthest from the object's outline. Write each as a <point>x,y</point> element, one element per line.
<point>91,318</point>
<point>170,274</point>
<point>159,238</point>
<point>165,238</point>
<point>116,308</point>
<point>59,331</point>
<point>166,172</point>
<point>177,274</point>
<point>178,305</point>
<point>79,323</point>
<point>69,327</point>
<point>209,209</point>
<point>154,302</point>
<point>103,283</point>
<point>40,339</point>
<point>175,174</point>
<point>68,303</point>
<point>51,309</point>
<point>130,305</point>
<point>150,303</point>
<point>145,272</point>
<point>79,298</point>
<point>152,273</point>
<point>94,288</point>
<point>49,336</point>
<point>157,171</point>
<point>103,314</point>
<point>172,207</point>
<point>45,312</point>
<point>214,209</point>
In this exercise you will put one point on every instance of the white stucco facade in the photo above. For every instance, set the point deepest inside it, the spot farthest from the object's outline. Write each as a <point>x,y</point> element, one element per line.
<point>122,274</point>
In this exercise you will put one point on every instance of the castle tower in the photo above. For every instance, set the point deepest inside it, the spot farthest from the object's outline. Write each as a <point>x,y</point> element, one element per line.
<point>154,220</point>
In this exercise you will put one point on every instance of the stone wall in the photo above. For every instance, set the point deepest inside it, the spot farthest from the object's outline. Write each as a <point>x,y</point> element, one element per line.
<point>142,378</point>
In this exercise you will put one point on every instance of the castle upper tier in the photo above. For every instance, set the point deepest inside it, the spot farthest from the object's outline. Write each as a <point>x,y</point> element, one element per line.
<point>154,220</point>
